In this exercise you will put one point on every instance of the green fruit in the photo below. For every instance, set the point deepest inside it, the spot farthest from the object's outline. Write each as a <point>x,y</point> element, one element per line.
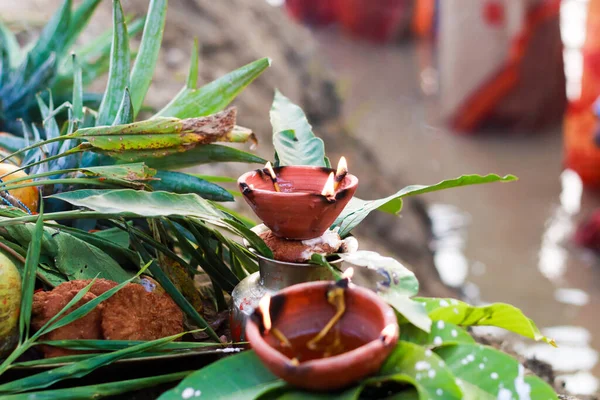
<point>10,303</point>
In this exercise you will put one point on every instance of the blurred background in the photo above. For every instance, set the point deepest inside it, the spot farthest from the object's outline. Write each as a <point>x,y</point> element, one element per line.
<point>417,91</point>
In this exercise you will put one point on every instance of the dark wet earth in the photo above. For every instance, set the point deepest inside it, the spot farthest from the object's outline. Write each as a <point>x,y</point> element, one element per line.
<point>502,242</point>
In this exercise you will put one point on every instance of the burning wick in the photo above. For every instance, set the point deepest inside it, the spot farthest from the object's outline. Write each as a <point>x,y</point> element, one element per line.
<point>263,306</point>
<point>329,188</point>
<point>273,176</point>
<point>388,333</point>
<point>342,170</point>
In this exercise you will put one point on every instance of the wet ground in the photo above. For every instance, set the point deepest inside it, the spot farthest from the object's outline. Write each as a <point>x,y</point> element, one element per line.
<point>503,242</point>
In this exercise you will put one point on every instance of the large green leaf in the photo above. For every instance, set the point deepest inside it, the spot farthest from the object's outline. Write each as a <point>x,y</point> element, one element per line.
<point>214,96</point>
<point>293,139</point>
<point>358,209</point>
<point>414,365</point>
<point>140,203</point>
<point>239,377</point>
<point>73,257</point>
<point>494,372</point>
<point>185,156</point>
<point>498,314</point>
<point>442,332</point>
<point>145,62</point>
<point>118,73</point>
<point>393,282</point>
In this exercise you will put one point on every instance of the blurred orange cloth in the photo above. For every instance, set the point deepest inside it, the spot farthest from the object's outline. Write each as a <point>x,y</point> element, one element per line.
<point>580,124</point>
<point>501,64</point>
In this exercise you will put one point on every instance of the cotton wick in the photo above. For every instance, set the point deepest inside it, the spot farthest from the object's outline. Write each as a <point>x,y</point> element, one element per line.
<point>273,176</point>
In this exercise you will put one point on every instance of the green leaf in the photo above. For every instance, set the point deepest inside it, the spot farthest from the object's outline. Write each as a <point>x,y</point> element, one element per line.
<point>11,142</point>
<point>142,204</point>
<point>145,62</point>
<point>118,75</point>
<point>393,282</point>
<point>493,371</point>
<point>77,91</point>
<point>185,156</point>
<point>358,209</point>
<point>79,369</point>
<point>129,172</point>
<point>9,42</point>
<point>179,182</point>
<point>73,257</point>
<point>414,365</point>
<point>53,37</point>
<point>192,79</point>
<point>214,96</point>
<point>441,332</point>
<point>79,21</point>
<point>498,314</point>
<point>293,139</point>
<point>238,377</point>
<point>99,390</point>
<point>125,115</point>
<point>31,264</point>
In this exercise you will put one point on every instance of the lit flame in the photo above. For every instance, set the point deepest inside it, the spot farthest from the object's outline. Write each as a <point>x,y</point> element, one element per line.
<point>388,333</point>
<point>348,274</point>
<point>329,188</point>
<point>270,169</point>
<point>342,168</point>
<point>263,306</point>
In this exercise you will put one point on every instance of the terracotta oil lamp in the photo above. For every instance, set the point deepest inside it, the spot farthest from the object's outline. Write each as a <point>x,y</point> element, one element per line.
<point>297,204</point>
<point>323,335</point>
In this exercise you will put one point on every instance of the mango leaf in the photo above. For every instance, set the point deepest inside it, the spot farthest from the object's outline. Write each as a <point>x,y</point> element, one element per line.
<point>159,133</point>
<point>128,172</point>
<point>239,377</point>
<point>118,73</point>
<point>293,139</point>
<point>145,62</point>
<point>441,333</point>
<point>100,390</point>
<point>498,314</point>
<point>185,156</point>
<point>142,204</point>
<point>392,281</point>
<point>358,209</point>
<point>494,372</point>
<point>73,257</point>
<point>214,96</point>
<point>179,182</point>
<point>414,365</point>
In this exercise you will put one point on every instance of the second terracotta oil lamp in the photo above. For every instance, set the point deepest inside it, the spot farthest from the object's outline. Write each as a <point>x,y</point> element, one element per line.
<point>298,205</point>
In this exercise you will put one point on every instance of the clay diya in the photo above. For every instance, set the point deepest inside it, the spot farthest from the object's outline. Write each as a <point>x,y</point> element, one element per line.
<point>323,335</point>
<point>298,202</point>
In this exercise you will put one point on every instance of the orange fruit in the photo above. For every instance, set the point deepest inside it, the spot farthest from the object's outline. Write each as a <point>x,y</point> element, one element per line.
<point>27,195</point>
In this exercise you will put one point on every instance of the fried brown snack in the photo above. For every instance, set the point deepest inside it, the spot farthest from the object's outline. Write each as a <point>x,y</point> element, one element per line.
<point>47,304</point>
<point>135,314</point>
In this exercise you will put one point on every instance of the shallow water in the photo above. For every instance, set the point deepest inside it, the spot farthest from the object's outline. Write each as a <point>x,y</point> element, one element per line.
<point>504,242</point>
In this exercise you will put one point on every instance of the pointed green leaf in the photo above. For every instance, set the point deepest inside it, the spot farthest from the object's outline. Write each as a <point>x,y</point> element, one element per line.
<point>179,182</point>
<point>293,139</point>
<point>125,114</point>
<point>498,314</point>
<point>77,90</point>
<point>118,74</point>
<point>79,21</point>
<point>494,372</point>
<point>192,79</point>
<point>358,209</point>
<point>54,35</point>
<point>145,62</point>
<point>9,42</point>
<point>214,96</point>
